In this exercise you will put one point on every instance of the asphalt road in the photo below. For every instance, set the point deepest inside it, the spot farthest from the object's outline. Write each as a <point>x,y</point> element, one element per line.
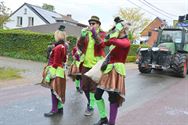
<point>24,104</point>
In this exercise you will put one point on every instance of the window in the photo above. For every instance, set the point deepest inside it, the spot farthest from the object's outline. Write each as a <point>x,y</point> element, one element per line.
<point>19,21</point>
<point>25,11</point>
<point>30,21</point>
<point>149,33</point>
<point>171,36</point>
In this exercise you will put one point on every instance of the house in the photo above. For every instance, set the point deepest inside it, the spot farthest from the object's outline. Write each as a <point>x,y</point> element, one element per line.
<point>149,34</point>
<point>31,17</point>
<point>73,30</point>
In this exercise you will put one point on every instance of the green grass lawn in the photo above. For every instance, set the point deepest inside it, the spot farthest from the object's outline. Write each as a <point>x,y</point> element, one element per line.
<point>9,73</point>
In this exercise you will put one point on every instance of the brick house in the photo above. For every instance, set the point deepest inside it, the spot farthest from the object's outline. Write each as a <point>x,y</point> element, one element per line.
<point>155,24</point>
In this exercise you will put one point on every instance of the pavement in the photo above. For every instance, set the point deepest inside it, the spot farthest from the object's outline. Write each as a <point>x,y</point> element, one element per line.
<point>167,108</point>
<point>158,98</point>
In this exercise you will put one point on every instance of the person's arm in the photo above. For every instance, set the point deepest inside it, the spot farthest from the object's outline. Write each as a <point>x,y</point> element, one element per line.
<point>98,37</point>
<point>58,54</point>
<point>84,32</point>
<point>81,43</point>
<point>123,43</point>
<point>49,49</point>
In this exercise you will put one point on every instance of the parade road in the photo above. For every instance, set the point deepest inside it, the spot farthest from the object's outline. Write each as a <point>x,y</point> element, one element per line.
<point>158,98</point>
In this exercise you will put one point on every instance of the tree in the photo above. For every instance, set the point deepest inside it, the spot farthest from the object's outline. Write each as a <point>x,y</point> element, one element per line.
<point>48,7</point>
<point>136,18</point>
<point>4,14</point>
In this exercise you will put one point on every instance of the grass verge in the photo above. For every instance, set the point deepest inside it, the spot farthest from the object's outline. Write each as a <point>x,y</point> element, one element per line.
<point>9,73</point>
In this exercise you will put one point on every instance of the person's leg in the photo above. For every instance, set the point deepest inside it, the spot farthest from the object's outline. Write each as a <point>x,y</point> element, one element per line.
<point>54,103</point>
<point>101,107</point>
<point>91,86</point>
<point>92,100</point>
<point>87,96</point>
<point>54,109</point>
<point>61,90</point>
<point>113,107</point>
<point>78,82</point>
<point>60,107</point>
<point>85,87</point>
<point>91,103</point>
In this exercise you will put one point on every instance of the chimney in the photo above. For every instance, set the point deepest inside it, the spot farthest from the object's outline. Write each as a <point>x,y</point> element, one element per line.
<point>69,15</point>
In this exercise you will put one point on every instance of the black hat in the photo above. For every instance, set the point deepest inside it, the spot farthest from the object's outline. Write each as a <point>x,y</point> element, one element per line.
<point>96,19</point>
<point>61,28</point>
<point>118,19</point>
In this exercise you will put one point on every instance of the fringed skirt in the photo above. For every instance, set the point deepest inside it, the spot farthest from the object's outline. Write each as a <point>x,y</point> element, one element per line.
<point>87,84</point>
<point>74,70</point>
<point>114,82</point>
<point>57,84</point>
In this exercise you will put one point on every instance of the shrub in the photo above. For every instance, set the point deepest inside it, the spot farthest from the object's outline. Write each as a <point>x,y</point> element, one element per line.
<point>24,44</point>
<point>131,59</point>
<point>134,48</point>
<point>27,45</point>
<point>133,52</point>
<point>32,46</point>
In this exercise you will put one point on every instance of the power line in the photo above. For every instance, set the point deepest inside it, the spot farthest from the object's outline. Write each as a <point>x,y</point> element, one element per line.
<point>155,9</point>
<point>159,8</point>
<point>143,8</point>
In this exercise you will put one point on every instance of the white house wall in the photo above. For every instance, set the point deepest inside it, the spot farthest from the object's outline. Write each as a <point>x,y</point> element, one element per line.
<point>13,23</point>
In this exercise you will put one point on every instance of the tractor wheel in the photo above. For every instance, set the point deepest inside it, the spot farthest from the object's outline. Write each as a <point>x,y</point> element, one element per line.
<point>144,69</point>
<point>160,70</point>
<point>179,65</point>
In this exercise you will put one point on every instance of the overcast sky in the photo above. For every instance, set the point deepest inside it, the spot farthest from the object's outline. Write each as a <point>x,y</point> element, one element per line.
<point>82,10</point>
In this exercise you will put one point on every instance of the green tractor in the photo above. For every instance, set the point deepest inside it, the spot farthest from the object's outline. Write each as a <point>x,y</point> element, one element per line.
<point>169,52</point>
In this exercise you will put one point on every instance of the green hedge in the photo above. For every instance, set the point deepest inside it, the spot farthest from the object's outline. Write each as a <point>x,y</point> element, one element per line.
<point>24,44</point>
<point>133,52</point>
<point>28,45</point>
<point>131,59</point>
<point>134,48</point>
<point>32,46</point>
<point>17,31</point>
<point>72,42</point>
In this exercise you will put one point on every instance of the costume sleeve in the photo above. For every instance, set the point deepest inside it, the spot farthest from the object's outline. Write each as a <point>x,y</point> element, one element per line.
<point>73,51</point>
<point>122,43</point>
<point>99,38</point>
<point>75,54</point>
<point>59,56</point>
<point>115,32</point>
<point>84,32</point>
<point>81,43</point>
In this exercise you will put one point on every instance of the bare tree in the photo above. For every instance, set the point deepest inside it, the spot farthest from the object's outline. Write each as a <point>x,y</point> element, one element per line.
<point>4,14</point>
<point>136,18</point>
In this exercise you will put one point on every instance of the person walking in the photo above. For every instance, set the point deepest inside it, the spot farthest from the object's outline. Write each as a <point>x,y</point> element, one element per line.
<point>113,76</point>
<point>74,71</point>
<point>91,45</point>
<point>55,74</point>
